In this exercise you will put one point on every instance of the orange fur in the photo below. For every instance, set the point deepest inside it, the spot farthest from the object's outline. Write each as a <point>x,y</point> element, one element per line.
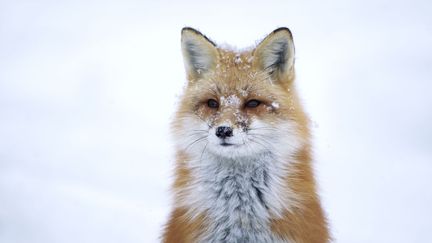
<point>233,73</point>
<point>306,223</point>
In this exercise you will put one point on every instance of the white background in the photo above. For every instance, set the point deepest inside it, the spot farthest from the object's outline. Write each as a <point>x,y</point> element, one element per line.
<point>87,90</point>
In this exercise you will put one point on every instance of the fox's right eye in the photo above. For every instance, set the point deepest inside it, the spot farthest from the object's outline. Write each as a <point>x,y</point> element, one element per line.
<point>212,104</point>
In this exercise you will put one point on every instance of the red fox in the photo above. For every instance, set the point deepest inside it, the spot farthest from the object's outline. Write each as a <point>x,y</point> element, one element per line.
<point>243,153</point>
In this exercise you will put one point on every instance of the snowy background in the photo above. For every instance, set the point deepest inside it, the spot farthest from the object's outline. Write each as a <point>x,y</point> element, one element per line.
<point>87,90</point>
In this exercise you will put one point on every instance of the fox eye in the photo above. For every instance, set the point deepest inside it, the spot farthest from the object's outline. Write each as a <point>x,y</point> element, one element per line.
<point>253,103</point>
<point>212,104</point>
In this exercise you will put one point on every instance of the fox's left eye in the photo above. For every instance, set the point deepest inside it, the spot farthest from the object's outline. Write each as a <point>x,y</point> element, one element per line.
<point>252,103</point>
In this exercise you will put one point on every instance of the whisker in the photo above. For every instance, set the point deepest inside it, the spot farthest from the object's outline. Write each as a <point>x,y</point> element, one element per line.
<point>202,153</point>
<point>194,142</point>
<point>262,139</point>
<point>197,116</point>
<point>199,130</point>
<point>196,133</point>
<point>258,135</point>
<point>264,128</point>
<point>264,146</point>
<point>206,122</point>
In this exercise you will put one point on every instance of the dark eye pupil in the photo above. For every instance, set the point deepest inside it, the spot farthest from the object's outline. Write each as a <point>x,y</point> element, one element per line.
<point>212,103</point>
<point>253,103</point>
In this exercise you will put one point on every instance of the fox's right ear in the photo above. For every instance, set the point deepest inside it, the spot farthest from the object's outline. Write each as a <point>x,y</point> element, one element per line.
<point>275,54</point>
<point>200,54</point>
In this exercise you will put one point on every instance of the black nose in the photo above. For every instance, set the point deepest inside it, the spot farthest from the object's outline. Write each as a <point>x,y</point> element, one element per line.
<point>223,132</point>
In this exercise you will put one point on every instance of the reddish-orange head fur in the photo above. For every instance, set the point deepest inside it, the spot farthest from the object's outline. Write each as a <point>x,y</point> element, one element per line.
<point>241,132</point>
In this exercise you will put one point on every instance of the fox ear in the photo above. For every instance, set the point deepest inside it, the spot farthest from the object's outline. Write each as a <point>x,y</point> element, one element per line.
<point>275,54</point>
<point>199,53</point>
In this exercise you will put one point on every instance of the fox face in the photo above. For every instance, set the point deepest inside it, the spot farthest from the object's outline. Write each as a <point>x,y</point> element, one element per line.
<point>239,104</point>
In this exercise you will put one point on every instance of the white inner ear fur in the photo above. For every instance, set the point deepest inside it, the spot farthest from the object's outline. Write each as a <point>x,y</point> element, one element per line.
<point>199,54</point>
<point>275,54</point>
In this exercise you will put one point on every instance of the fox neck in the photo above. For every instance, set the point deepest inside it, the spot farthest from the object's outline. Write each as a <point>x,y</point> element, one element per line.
<point>239,196</point>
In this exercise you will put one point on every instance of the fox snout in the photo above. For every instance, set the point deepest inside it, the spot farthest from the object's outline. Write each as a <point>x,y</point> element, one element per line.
<point>226,135</point>
<point>224,132</point>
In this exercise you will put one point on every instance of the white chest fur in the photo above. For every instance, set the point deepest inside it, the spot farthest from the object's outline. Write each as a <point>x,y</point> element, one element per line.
<point>238,197</point>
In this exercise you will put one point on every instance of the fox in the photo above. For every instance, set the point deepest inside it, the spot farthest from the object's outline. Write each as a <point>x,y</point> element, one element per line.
<point>243,168</point>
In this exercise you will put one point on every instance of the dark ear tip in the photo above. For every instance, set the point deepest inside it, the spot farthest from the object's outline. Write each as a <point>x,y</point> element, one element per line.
<point>187,28</point>
<point>190,29</point>
<point>281,29</point>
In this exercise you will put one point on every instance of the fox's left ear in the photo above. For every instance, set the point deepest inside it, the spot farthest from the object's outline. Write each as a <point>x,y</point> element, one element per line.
<point>200,54</point>
<point>275,55</point>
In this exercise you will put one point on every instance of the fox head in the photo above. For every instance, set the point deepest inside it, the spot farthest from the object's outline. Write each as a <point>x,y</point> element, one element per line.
<point>239,104</point>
